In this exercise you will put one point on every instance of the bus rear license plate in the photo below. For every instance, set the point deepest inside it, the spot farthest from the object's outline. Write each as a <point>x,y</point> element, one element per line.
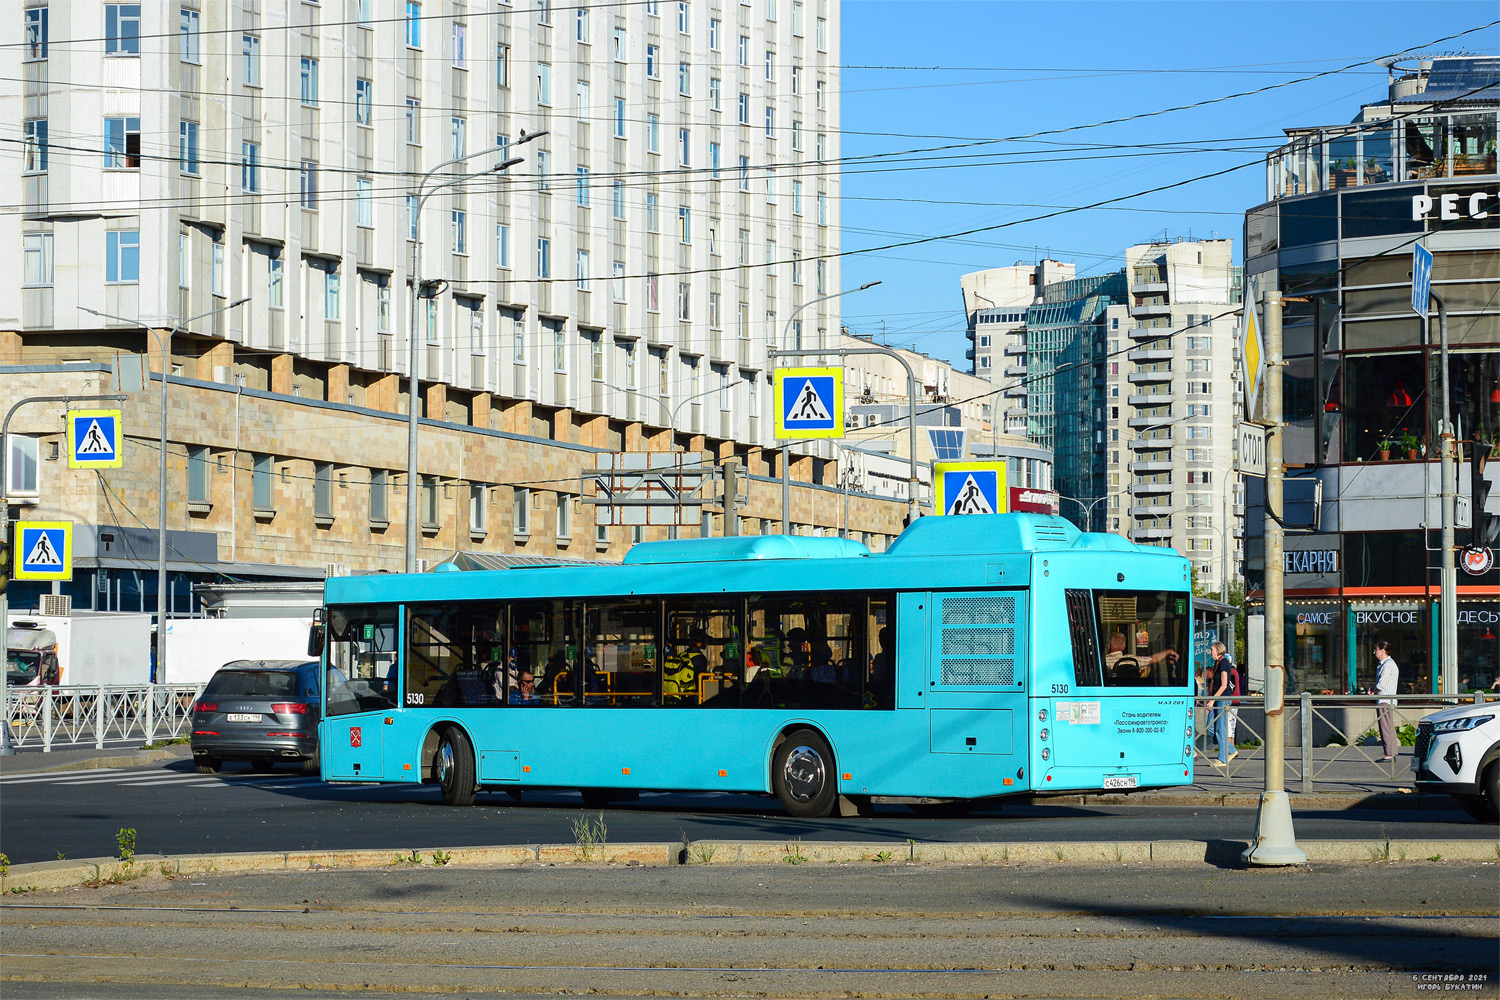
<point>1121,781</point>
<point>248,717</point>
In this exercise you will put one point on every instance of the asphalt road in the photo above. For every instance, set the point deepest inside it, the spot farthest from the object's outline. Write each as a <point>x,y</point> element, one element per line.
<point>930,930</point>
<point>177,811</point>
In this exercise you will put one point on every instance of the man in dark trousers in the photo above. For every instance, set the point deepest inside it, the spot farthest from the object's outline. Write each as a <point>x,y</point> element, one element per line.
<point>1220,689</point>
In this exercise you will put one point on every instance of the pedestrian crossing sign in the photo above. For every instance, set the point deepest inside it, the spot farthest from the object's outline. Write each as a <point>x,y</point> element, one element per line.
<point>971,488</point>
<point>94,439</point>
<point>809,402</point>
<point>44,550</point>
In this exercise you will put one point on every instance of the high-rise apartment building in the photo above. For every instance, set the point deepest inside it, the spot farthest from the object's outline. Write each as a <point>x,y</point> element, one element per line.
<point>1167,403</point>
<point>675,207</point>
<point>995,304</point>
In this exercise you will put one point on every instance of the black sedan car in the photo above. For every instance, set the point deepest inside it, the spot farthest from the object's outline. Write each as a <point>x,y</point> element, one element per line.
<point>262,711</point>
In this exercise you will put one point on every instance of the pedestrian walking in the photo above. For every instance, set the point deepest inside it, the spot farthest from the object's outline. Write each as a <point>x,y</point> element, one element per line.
<point>1387,674</point>
<point>1220,691</point>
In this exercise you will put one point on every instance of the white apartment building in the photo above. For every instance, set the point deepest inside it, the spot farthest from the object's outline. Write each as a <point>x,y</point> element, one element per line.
<point>995,304</point>
<point>1170,393</point>
<point>169,159</point>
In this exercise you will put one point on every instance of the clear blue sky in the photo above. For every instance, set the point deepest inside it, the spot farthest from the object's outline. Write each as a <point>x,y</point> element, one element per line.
<point>928,73</point>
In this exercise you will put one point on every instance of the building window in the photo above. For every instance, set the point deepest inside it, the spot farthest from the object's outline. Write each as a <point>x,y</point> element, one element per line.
<point>822,29</point>
<point>744,108</point>
<point>411,216</point>
<point>521,511</point>
<point>322,490</point>
<point>796,134</point>
<point>379,491</point>
<point>596,357</point>
<point>308,81</point>
<point>653,62</point>
<point>122,256</point>
<point>744,51</point>
<point>684,147</point>
<point>261,486</point>
<point>713,310</point>
<point>619,46</point>
<point>564,517</point>
<point>479,509</point>
<point>250,60</point>
<point>307,185</point>
<point>187,147</point>
<point>184,260</point>
<point>713,160</point>
<point>413,24</point>
<point>770,64</point>
<point>684,300</point>
<point>544,83</point>
<point>744,173</point>
<point>684,79</point>
<point>413,121</point>
<point>36,260</point>
<point>796,194</point>
<point>685,226</point>
<point>653,216</point>
<point>544,12</point>
<point>502,66</point>
<point>428,499</point>
<point>36,33</point>
<point>216,269</point>
<point>652,302</point>
<point>36,146</point>
<point>683,23</point>
<point>543,170</point>
<point>543,257</point>
<point>122,143</point>
<point>618,207</point>
<point>518,340</point>
<point>713,237</point>
<point>770,122</point>
<point>460,46</point>
<point>274,286</point>
<point>250,167</point>
<point>619,117</point>
<point>581,31</point>
<point>331,308</point>
<point>714,87</point>
<point>583,187</point>
<point>383,307</point>
<point>197,474</point>
<point>122,29</point>
<point>502,245</point>
<point>22,469</point>
<point>619,281</point>
<point>797,18</point>
<point>187,32</point>
<point>653,133</point>
<point>459,224</point>
<point>713,34</point>
<point>364,201</point>
<point>559,351</point>
<point>583,270</point>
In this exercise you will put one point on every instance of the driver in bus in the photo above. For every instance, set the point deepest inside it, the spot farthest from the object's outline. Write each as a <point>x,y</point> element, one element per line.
<point>1125,668</point>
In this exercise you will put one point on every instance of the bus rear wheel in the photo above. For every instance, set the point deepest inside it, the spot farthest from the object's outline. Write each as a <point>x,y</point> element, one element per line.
<point>804,775</point>
<point>453,766</point>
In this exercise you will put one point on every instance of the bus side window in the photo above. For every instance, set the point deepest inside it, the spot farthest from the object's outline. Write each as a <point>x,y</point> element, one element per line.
<point>544,645</point>
<point>1087,671</point>
<point>620,654</point>
<point>449,652</point>
<point>361,660</point>
<point>703,654</point>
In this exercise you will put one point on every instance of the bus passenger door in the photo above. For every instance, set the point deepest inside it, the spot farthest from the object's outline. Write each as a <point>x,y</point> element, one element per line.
<point>976,690</point>
<point>913,626</point>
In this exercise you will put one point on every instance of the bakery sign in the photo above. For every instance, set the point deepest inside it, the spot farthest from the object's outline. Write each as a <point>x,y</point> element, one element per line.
<point>1318,561</point>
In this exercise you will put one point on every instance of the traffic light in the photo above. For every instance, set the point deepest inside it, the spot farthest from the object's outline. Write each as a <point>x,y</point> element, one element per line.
<point>1486,524</point>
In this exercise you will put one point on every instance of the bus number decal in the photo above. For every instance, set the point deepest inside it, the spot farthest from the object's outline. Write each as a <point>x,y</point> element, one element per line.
<point>415,697</point>
<point>1059,689</point>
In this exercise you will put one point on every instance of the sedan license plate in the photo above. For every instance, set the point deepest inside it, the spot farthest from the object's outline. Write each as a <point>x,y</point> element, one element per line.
<point>242,717</point>
<point>1121,781</point>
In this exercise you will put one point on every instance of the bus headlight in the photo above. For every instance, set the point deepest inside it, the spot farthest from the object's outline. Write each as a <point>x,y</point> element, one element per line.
<point>1043,734</point>
<point>1046,753</point>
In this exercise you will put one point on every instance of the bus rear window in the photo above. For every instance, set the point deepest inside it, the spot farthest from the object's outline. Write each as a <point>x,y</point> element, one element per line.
<point>1082,632</point>
<point>1144,637</point>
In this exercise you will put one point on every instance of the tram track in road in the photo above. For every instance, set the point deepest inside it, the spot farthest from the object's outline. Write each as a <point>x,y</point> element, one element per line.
<point>925,930</point>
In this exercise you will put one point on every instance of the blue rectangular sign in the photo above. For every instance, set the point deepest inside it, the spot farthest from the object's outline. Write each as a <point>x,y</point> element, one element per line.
<point>1421,278</point>
<point>808,403</point>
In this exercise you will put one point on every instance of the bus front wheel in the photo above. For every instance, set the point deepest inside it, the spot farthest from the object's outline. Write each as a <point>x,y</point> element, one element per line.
<point>453,766</point>
<point>804,775</point>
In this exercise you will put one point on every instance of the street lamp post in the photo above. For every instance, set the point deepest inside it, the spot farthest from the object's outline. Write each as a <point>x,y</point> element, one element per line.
<point>786,449</point>
<point>412,387</point>
<point>163,606</point>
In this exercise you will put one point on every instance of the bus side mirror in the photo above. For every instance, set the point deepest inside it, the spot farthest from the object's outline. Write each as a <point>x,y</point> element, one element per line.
<point>317,635</point>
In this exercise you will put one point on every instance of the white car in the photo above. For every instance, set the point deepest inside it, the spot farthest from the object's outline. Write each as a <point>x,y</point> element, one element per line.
<point>1458,753</point>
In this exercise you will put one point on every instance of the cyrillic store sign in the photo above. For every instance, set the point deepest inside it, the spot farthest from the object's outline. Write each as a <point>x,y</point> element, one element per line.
<point>1478,616</point>
<point>1312,561</point>
<point>1386,617</point>
<point>1316,617</point>
<point>1452,205</point>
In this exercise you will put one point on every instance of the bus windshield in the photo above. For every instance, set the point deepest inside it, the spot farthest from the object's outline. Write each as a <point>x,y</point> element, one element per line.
<point>1137,638</point>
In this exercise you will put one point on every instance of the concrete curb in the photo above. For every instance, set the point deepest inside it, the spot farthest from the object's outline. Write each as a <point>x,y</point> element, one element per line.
<point>53,875</point>
<point>135,758</point>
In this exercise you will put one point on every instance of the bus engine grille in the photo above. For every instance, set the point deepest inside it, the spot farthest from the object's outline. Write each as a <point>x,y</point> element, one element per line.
<point>978,641</point>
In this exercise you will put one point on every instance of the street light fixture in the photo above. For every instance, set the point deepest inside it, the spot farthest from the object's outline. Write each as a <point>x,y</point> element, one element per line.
<point>786,449</point>
<point>412,388</point>
<point>162,604</point>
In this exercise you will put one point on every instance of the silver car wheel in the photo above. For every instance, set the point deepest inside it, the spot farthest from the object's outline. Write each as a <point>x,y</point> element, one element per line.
<point>804,773</point>
<point>444,762</point>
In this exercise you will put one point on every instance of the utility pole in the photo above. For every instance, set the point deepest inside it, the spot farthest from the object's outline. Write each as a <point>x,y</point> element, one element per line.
<point>1275,841</point>
<point>1448,571</point>
<point>731,497</point>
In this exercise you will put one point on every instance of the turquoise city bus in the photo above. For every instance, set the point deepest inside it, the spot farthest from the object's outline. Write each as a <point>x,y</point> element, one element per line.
<point>979,656</point>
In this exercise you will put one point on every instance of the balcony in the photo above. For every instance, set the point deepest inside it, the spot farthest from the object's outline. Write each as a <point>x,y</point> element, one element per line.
<point>1015,371</point>
<point>1148,466</point>
<point>1141,534</point>
<point>1150,399</point>
<point>1143,489</point>
<point>1148,354</point>
<point>1149,332</point>
<point>1151,510</point>
<point>1015,350</point>
<point>1149,421</point>
<point>1137,378</point>
<point>1150,444</point>
<point>1014,392</point>
<point>1152,309</point>
<point>1148,284</point>
<point>969,354</point>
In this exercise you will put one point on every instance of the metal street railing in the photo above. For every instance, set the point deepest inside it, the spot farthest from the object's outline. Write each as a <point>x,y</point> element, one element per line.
<point>1329,738</point>
<point>76,716</point>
